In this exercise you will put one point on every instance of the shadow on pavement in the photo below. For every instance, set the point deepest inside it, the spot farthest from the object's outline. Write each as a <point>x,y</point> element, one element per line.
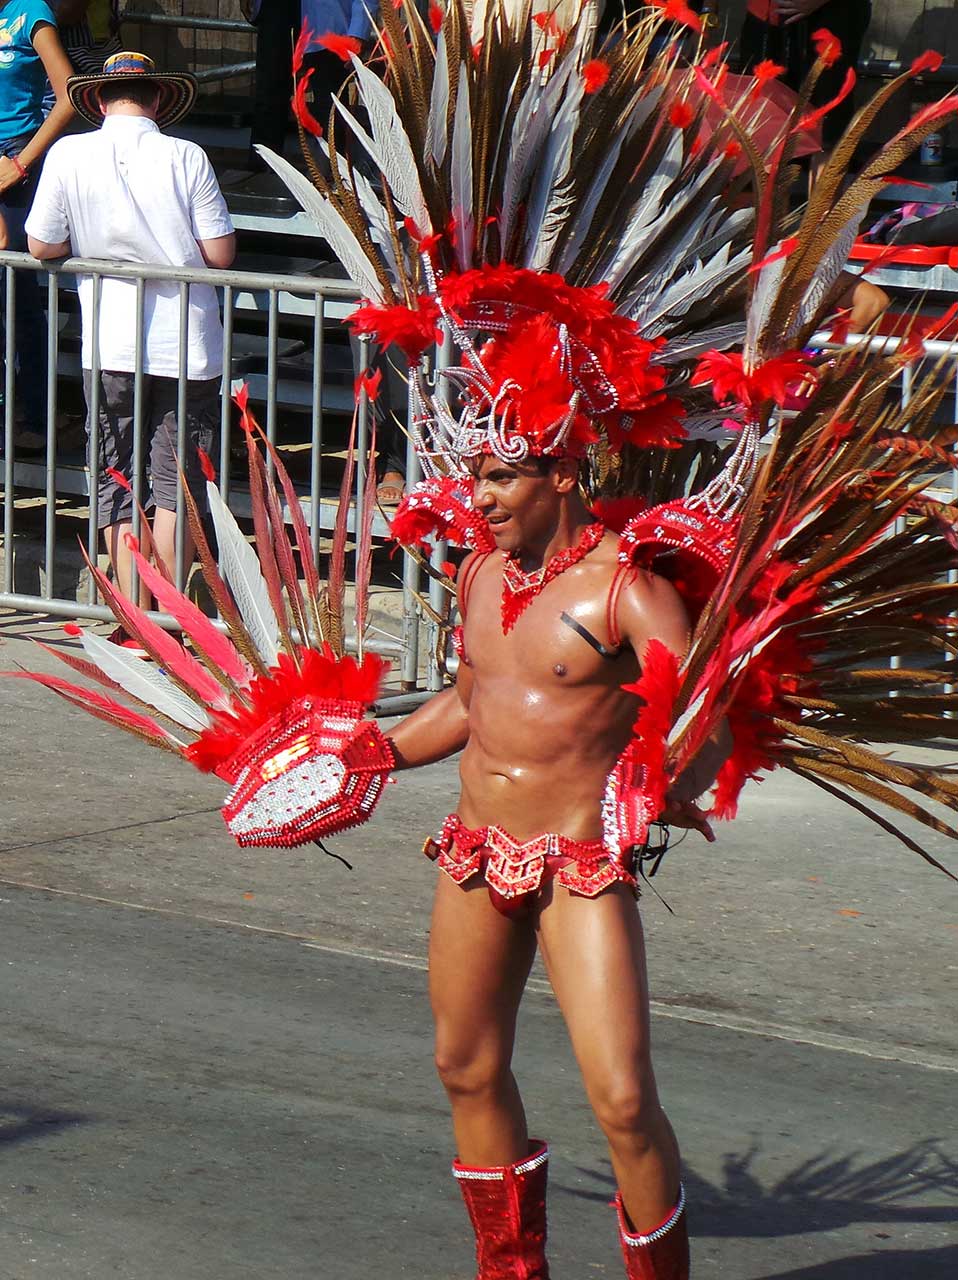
<point>25,1124</point>
<point>896,1264</point>
<point>823,1193</point>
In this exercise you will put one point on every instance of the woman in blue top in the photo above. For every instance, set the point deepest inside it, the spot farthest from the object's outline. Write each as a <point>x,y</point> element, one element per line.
<point>30,53</point>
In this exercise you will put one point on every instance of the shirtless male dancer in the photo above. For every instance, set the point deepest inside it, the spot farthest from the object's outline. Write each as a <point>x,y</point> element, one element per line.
<point>542,717</point>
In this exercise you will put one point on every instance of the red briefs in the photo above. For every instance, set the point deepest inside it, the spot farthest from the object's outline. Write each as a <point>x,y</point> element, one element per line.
<point>516,870</point>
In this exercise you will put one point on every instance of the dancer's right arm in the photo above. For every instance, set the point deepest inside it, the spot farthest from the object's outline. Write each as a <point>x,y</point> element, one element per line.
<point>439,728</point>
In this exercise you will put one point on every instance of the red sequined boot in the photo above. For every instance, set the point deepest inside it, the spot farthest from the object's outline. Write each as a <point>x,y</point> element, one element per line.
<point>507,1207</point>
<point>663,1254</point>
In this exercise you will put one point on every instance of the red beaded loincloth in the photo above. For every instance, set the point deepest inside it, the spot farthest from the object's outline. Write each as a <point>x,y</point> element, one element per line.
<point>516,870</point>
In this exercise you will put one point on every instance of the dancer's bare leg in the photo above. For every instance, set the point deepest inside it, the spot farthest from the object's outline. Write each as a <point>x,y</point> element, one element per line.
<point>478,965</point>
<point>594,953</point>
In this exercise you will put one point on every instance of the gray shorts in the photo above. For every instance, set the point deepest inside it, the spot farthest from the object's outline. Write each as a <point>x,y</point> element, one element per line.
<point>114,503</point>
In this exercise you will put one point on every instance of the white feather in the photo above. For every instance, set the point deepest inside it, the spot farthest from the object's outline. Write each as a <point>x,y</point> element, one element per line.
<point>331,225</point>
<point>461,174</point>
<point>239,565</point>
<point>549,198</point>
<point>640,227</point>
<point>437,126</point>
<point>377,219</point>
<point>670,253</point>
<point>533,119</point>
<point>504,125</point>
<point>694,285</point>
<point>685,346</point>
<point>637,115</point>
<point>394,153</point>
<point>763,298</point>
<point>144,681</point>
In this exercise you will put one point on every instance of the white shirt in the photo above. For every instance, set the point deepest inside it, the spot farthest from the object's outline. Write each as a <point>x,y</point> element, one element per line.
<point>129,193</point>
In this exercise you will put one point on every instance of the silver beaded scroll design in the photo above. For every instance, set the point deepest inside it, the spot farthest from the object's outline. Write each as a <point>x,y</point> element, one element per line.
<point>485,422</point>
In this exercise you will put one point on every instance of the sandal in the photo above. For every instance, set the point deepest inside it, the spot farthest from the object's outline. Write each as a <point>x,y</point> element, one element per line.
<point>391,489</point>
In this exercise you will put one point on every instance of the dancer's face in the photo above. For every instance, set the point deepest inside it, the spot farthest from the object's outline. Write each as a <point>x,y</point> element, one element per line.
<point>522,500</point>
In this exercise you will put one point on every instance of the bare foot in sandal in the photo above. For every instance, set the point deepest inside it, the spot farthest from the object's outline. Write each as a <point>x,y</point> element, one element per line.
<point>391,489</point>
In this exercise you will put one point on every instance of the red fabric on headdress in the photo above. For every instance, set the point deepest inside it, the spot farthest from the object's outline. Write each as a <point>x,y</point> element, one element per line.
<point>441,507</point>
<point>413,330</point>
<point>611,365</point>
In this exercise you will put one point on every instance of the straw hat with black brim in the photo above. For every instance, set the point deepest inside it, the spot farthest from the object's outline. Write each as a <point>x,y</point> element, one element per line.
<point>176,89</point>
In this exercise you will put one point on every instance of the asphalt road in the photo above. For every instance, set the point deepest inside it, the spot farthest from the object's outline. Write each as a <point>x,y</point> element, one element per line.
<point>216,1063</point>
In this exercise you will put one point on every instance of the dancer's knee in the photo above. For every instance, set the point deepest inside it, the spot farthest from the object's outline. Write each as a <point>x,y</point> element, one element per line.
<point>627,1107</point>
<point>470,1072</point>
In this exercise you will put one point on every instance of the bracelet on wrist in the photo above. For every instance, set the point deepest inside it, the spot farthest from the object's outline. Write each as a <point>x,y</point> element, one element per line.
<point>19,167</point>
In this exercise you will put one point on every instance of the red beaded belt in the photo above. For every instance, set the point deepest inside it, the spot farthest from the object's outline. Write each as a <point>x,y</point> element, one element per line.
<point>515,870</point>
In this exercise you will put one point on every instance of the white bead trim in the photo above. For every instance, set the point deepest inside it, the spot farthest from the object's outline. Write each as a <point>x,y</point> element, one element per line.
<point>528,1165</point>
<point>635,1241</point>
<point>498,1175</point>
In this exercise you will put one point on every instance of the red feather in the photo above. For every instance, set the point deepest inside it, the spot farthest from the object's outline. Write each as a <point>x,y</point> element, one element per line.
<point>304,43</point>
<point>827,47</point>
<point>180,665</point>
<point>214,645</point>
<point>336,577</point>
<point>343,46</point>
<point>320,676</point>
<point>810,120</point>
<point>364,542</point>
<point>658,687</point>
<point>930,60</point>
<point>413,330</point>
<point>104,708</point>
<point>300,106</point>
<point>595,74</point>
<point>206,465</point>
<point>266,550</point>
<point>300,528</point>
<point>615,513</point>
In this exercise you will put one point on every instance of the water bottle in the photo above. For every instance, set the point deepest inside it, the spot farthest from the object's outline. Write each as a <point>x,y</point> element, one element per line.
<point>933,149</point>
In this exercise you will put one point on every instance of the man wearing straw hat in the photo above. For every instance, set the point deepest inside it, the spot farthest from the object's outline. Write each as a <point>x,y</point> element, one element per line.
<point>130,193</point>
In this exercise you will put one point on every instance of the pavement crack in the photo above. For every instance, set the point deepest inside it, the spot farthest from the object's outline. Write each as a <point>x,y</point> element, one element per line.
<point>106,831</point>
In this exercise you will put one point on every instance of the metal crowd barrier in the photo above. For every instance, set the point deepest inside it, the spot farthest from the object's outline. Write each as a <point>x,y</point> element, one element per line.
<point>310,304</point>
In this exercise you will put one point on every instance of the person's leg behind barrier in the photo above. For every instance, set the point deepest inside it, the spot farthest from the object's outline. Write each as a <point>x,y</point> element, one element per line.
<point>479,961</point>
<point>115,454</point>
<point>202,431</point>
<point>594,953</point>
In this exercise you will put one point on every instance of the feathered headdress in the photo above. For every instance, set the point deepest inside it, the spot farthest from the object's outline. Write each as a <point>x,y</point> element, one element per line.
<point>605,235</point>
<point>544,207</point>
